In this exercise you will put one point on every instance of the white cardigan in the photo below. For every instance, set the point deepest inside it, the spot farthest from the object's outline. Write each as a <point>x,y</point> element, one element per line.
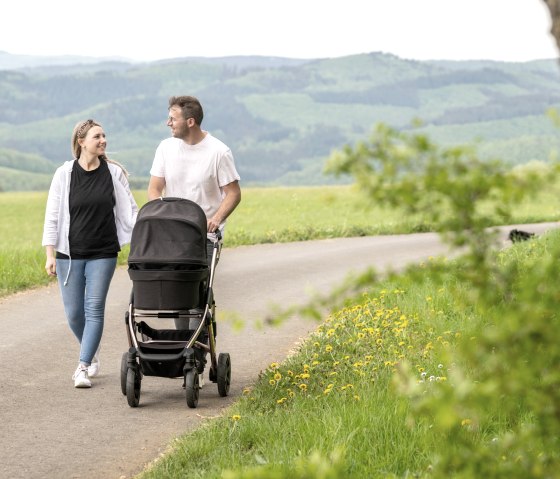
<point>57,215</point>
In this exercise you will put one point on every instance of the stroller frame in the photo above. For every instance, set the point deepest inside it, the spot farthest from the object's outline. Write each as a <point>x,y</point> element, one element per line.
<point>174,352</point>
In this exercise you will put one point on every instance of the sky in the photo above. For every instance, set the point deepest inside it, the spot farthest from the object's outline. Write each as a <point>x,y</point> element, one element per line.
<point>506,30</point>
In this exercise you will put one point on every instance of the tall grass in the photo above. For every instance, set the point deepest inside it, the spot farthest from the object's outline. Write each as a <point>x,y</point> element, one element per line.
<point>265,215</point>
<point>336,407</point>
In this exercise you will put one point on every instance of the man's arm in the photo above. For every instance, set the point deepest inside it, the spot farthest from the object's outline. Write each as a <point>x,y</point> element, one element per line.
<point>155,187</point>
<point>232,197</point>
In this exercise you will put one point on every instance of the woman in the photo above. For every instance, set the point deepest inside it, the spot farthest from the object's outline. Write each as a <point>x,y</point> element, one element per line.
<point>89,215</point>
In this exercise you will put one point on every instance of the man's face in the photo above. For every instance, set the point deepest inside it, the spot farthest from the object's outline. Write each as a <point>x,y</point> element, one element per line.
<point>179,126</point>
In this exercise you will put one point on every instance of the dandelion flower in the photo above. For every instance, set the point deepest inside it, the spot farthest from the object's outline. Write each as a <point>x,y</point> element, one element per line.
<point>235,417</point>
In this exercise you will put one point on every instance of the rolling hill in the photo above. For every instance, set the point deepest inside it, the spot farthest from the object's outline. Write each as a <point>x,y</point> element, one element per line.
<point>281,117</point>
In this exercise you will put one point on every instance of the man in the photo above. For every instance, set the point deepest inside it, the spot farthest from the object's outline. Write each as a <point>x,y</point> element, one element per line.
<point>195,165</point>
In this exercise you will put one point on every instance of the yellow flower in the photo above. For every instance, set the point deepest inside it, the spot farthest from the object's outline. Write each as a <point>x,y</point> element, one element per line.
<point>303,386</point>
<point>235,417</point>
<point>466,422</point>
<point>277,376</point>
<point>282,400</point>
<point>328,348</point>
<point>273,366</point>
<point>272,382</point>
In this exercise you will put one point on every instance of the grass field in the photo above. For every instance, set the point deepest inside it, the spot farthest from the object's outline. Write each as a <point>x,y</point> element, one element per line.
<point>265,215</point>
<point>412,380</point>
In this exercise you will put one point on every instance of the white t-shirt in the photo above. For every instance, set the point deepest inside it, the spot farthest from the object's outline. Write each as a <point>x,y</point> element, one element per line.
<point>195,172</point>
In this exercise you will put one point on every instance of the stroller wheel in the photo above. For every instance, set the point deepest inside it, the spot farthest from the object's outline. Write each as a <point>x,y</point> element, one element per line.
<point>192,387</point>
<point>212,374</point>
<point>133,382</point>
<point>124,370</point>
<point>224,374</point>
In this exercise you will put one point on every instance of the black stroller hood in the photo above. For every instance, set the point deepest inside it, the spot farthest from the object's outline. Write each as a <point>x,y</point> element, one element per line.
<point>169,231</point>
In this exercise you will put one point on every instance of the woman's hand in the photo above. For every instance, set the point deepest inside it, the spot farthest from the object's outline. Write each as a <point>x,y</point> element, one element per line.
<point>50,265</point>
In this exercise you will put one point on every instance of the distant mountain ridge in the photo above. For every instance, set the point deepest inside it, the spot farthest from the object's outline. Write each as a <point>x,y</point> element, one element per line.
<point>282,117</point>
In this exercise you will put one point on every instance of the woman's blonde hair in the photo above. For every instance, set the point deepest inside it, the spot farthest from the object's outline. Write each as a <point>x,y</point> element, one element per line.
<point>79,133</point>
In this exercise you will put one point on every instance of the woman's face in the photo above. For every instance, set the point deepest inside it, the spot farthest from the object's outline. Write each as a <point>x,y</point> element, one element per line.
<point>94,142</point>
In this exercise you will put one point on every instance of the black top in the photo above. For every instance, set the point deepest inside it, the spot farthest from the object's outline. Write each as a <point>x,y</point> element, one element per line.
<point>93,232</point>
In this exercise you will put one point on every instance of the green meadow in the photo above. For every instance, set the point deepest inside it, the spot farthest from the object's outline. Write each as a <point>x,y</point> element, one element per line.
<point>412,380</point>
<point>265,215</point>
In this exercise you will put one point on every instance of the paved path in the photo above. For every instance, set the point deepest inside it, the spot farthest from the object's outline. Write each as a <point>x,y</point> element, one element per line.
<point>49,429</point>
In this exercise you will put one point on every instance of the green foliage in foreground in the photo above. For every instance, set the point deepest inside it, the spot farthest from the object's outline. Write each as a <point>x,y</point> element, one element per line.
<point>447,370</point>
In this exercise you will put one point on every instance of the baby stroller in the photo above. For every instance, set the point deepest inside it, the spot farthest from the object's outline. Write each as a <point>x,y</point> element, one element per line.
<point>170,277</point>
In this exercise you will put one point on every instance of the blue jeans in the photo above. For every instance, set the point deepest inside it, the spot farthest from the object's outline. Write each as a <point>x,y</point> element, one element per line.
<point>84,296</point>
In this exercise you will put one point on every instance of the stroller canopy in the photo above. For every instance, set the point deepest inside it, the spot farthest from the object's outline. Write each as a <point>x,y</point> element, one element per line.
<point>169,230</point>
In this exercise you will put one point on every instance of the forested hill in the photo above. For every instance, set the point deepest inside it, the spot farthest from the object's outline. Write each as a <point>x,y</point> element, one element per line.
<point>281,117</point>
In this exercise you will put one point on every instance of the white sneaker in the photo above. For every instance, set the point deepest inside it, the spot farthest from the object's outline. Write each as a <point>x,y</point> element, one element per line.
<point>93,368</point>
<point>200,381</point>
<point>81,378</point>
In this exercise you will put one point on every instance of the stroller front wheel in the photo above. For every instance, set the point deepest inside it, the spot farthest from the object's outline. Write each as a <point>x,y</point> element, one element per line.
<point>192,387</point>
<point>223,374</point>
<point>133,382</point>
<point>124,372</point>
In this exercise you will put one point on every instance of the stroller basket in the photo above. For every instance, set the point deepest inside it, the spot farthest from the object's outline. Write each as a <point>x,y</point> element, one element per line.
<point>155,289</point>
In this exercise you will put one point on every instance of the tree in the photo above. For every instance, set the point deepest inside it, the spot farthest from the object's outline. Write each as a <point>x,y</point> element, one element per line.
<point>554,7</point>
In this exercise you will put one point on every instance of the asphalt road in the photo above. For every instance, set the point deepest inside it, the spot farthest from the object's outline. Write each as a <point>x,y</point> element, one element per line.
<point>49,429</point>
